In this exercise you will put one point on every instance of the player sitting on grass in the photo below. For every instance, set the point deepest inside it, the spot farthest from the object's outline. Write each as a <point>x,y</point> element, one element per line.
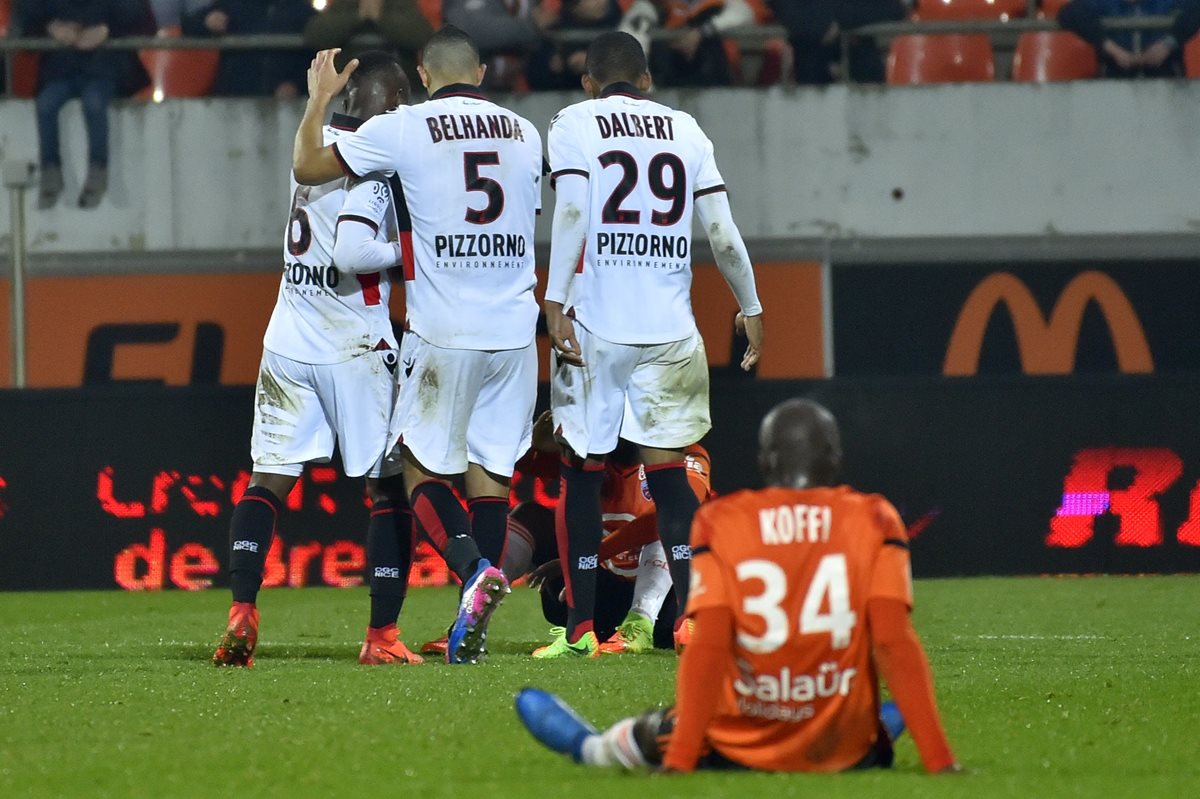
<point>317,387</point>
<point>800,590</point>
<point>635,607</point>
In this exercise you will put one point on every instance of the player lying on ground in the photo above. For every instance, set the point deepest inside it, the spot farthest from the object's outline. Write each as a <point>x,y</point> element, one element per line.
<point>635,610</point>
<point>471,174</point>
<point>800,590</point>
<point>317,387</point>
<point>628,360</point>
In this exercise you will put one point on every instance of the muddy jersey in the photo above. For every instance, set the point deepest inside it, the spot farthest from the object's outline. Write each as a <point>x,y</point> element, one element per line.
<point>796,568</point>
<point>471,174</point>
<point>645,164</point>
<point>324,314</point>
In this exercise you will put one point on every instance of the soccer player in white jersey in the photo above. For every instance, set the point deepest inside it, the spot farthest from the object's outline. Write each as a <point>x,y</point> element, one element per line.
<point>628,359</point>
<point>328,375</point>
<point>471,172</point>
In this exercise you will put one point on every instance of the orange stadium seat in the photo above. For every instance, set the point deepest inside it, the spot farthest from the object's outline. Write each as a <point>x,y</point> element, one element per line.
<point>432,10</point>
<point>929,10</point>
<point>1191,57</point>
<point>948,58</point>
<point>24,65</point>
<point>178,73</point>
<point>1044,56</point>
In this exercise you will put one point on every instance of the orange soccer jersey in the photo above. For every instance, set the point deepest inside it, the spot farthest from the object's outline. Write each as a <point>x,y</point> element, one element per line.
<point>796,568</point>
<point>630,521</point>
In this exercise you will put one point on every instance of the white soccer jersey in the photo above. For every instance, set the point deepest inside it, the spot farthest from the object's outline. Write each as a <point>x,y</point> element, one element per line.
<point>325,314</point>
<point>471,173</point>
<point>645,164</point>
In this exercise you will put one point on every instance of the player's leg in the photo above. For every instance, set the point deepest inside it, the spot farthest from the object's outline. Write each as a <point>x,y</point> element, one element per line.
<point>587,403</point>
<point>530,540</point>
<point>487,508</point>
<point>631,743</point>
<point>358,398</point>
<point>430,419</point>
<point>667,411</point>
<point>391,542</point>
<point>289,430</point>
<point>651,587</point>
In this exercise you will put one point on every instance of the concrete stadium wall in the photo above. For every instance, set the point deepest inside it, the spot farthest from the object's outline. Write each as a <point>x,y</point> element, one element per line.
<point>842,165</point>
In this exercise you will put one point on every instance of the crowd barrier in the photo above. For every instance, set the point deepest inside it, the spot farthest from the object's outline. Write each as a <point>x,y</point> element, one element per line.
<point>132,487</point>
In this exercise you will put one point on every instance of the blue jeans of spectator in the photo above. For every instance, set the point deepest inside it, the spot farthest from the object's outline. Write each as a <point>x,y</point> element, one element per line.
<point>95,93</point>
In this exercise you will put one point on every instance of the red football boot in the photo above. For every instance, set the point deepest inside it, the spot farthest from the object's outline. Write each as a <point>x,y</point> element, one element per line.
<point>383,646</point>
<point>237,645</point>
<point>437,646</point>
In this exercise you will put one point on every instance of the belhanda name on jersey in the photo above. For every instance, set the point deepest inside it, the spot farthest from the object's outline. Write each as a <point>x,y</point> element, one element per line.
<point>479,245</point>
<point>642,126</point>
<point>453,127</point>
<point>644,244</point>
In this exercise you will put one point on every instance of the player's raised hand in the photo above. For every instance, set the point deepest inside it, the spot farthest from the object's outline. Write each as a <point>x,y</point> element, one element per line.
<point>562,335</point>
<point>324,81</point>
<point>752,328</point>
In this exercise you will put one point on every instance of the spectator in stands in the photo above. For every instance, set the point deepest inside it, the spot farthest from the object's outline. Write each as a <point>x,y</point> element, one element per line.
<point>815,28</point>
<point>170,13</point>
<point>357,25</point>
<point>507,32</point>
<point>1162,53</point>
<point>560,66</point>
<point>248,73</point>
<point>694,53</point>
<point>81,69</point>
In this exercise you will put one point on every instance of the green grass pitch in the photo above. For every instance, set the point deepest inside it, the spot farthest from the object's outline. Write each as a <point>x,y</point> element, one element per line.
<point>1048,688</point>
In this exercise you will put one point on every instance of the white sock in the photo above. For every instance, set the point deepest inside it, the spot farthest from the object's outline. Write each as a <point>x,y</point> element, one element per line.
<point>615,746</point>
<point>653,582</point>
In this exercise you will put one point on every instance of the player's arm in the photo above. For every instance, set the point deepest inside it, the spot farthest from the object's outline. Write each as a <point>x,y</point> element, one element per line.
<point>898,652</point>
<point>904,666</point>
<point>709,657</point>
<point>356,245</point>
<point>732,257</point>
<point>704,664</point>
<point>312,162</point>
<point>569,177</point>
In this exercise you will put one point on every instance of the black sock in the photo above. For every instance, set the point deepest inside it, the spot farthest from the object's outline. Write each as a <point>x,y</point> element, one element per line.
<point>579,529</point>
<point>489,526</point>
<point>439,517</point>
<point>390,543</point>
<point>676,504</point>
<point>250,533</point>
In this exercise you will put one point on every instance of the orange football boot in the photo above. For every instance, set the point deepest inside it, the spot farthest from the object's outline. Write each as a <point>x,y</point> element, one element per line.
<point>383,646</point>
<point>237,645</point>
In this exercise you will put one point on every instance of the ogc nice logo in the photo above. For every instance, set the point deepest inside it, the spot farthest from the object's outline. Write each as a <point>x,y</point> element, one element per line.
<point>1048,346</point>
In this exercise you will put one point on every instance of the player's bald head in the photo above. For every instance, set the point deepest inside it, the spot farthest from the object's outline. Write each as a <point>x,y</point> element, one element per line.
<point>616,57</point>
<point>799,445</point>
<point>450,56</point>
<point>378,85</point>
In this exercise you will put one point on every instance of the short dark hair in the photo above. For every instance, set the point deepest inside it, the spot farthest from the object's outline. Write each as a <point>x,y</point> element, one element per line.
<point>378,65</point>
<point>450,49</point>
<point>615,56</point>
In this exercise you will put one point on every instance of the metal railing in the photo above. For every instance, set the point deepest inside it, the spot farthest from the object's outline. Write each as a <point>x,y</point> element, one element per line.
<point>752,38</point>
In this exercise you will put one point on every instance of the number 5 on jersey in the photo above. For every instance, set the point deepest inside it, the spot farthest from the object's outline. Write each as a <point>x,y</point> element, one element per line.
<point>830,587</point>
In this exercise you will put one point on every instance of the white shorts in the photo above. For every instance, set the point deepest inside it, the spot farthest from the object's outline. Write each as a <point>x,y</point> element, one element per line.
<point>459,406</point>
<point>301,410</point>
<point>655,395</point>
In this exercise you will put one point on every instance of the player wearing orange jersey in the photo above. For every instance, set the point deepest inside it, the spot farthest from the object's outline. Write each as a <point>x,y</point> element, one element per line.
<point>635,607</point>
<point>801,591</point>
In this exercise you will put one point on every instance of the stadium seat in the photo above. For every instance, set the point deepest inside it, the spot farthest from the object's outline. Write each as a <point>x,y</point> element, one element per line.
<point>949,58</point>
<point>929,10</point>
<point>178,73</point>
<point>1044,56</point>
<point>432,11</point>
<point>1191,57</point>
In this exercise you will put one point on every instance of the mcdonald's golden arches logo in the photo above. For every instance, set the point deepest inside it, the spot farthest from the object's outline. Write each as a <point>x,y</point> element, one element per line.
<point>1048,346</point>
